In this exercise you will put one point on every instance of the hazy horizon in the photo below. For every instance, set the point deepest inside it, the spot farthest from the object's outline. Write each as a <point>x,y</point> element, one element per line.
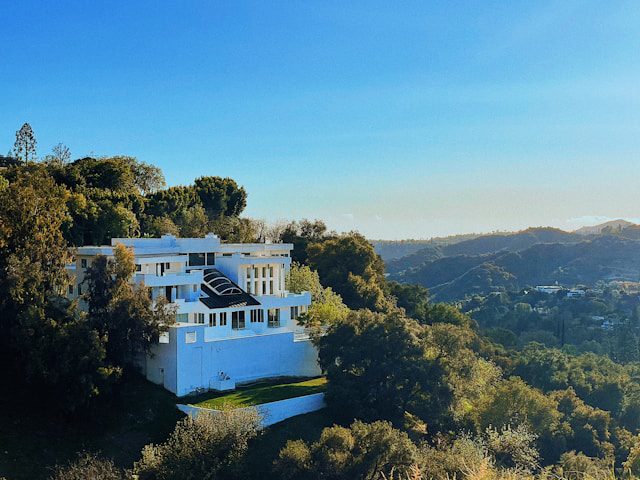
<point>429,120</point>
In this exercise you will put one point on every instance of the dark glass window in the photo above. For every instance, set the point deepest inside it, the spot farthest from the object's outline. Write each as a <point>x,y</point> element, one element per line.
<point>196,259</point>
<point>237,320</point>
<point>211,258</point>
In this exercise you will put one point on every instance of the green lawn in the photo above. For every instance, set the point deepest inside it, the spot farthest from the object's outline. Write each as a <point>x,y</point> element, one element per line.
<point>260,393</point>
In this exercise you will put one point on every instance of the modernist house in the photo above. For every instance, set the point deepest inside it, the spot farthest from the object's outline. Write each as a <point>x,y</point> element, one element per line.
<point>235,321</point>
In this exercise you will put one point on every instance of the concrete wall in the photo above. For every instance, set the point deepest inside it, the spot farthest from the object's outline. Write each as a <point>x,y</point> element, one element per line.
<point>273,412</point>
<point>183,367</point>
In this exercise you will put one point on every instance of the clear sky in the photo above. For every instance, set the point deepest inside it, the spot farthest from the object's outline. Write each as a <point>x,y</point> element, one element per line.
<point>399,119</point>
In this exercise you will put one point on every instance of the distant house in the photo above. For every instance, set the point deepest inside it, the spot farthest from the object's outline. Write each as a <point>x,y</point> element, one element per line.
<point>548,288</point>
<point>576,293</point>
<point>235,320</point>
<point>607,325</point>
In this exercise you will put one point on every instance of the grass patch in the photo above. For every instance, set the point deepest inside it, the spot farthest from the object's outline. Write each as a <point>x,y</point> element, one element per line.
<point>260,393</point>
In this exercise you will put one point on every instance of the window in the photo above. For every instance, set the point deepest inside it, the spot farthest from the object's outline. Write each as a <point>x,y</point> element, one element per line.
<point>257,316</point>
<point>237,320</point>
<point>199,318</point>
<point>196,259</point>
<point>248,289</point>
<point>212,319</point>
<point>255,272</point>
<point>182,317</point>
<point>167,266</point>
<point>138,267</point>
<point>195,288</point>
<point>190,337</point>
<point>70,289</point>
<point>270,287</point>
<point>223,319</point>
<point>264,271</point>
<point>274,317</point>
<point>271,271</point>
<point>264,287</point>
<point>83,263</point>
<point>79,289</point>
<point>294,313</point>
<point>164,337</point>
<point>211,258</point>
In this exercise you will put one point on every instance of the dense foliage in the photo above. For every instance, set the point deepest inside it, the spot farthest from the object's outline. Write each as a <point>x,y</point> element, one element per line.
<point>509,384</point>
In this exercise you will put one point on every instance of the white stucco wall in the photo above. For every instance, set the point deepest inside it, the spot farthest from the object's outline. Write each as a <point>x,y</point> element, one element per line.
<point>273,412</point>
<point>183,367</point>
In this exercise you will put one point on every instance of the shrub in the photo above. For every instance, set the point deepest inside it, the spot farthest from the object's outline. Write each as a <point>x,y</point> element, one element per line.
<point>362,451</point>
<point>89,467</point>
<point>201,448</point>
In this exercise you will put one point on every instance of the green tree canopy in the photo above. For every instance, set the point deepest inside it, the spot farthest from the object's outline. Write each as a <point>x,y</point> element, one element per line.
<point>350,266</point>
<point>377,368</point>
<point>361,452</point>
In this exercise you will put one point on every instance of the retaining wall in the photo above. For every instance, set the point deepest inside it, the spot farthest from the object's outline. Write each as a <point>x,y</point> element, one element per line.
<point>273,412</point>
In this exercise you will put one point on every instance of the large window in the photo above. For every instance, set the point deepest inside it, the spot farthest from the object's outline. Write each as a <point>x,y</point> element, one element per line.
<point>212,319</point>
<point>211,258</point>
<point>237,320</point>
<point>182,317</point>
<point>257,316</point>
<point>223,319</point>
<point>274,317</point>
<point>199,318</point>
<point>295,312</point>
<point>196,259</point>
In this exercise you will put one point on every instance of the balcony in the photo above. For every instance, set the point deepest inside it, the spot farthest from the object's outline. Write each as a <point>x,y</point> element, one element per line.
<point>285,299</point>
<point>193,277</point>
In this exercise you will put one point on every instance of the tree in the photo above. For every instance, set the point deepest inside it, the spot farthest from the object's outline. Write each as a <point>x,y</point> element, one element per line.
<point>46,342</point>
<point>513,402</point>
<point>326,305</point>
<point>148,178</point>
<point>361,452</point>
<point>350,266</point>
<point>413,298</point>
<point>220,197</point>
<point>590,427</point>
<point>377,368</point>
<point>206,447</point>
<point>24,149</point>
<point>60,155</point>
<point>123,315</point>
<point>301,235</point>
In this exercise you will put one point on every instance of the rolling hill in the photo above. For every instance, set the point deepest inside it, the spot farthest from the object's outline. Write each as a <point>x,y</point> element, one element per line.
<point>484,244</point>
<point>568,262</point>
<point>614,225</point>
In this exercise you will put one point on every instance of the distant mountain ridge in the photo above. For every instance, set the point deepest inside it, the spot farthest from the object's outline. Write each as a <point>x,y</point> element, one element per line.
<point>618,224</point>
<point>530,257</point>
<point>483,245</point>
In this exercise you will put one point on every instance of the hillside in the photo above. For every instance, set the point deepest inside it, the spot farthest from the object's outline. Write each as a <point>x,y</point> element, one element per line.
<point>586,262</point>
<point>395,249</point>
<point>612,225</point>
<point>484,244</point>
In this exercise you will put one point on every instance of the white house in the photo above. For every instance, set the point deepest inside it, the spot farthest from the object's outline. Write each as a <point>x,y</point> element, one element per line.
<point>550,289</point>
<point>235,320</point>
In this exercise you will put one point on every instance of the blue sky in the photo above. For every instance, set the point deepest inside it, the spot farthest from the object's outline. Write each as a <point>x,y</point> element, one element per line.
<point>399,119</point>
